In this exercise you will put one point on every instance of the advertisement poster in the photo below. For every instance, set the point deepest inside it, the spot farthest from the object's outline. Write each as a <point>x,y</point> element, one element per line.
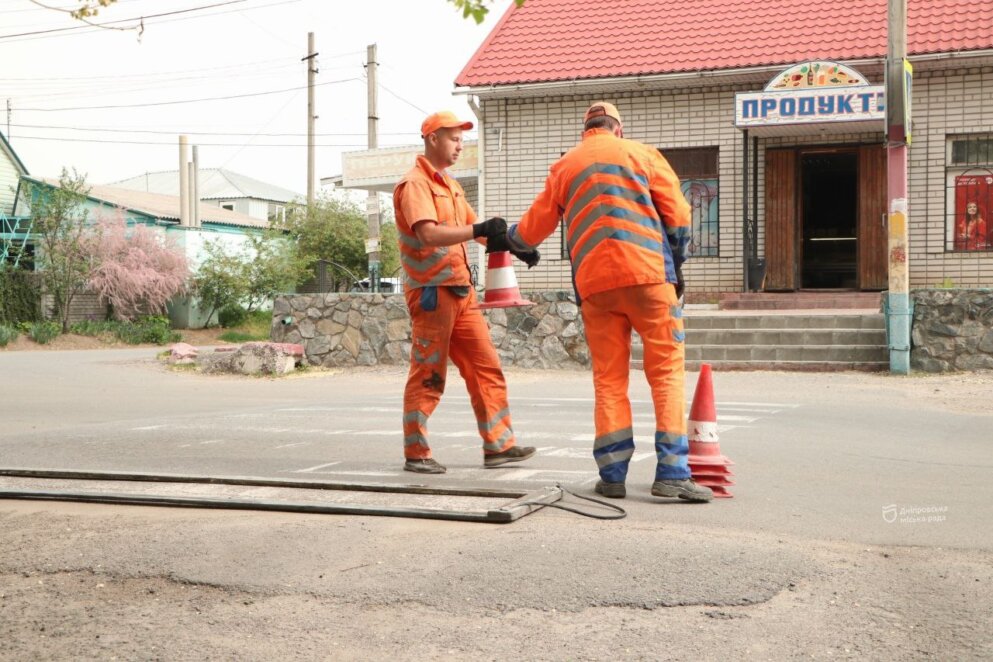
<point>973,202</point>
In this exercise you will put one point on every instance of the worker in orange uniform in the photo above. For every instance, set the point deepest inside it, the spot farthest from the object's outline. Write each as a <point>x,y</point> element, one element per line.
<point>434,221</point>
<point>628,229</point>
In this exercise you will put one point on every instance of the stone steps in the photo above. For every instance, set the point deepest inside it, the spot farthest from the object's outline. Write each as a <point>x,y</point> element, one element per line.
<point>783,341</point>
<point>804,300</point>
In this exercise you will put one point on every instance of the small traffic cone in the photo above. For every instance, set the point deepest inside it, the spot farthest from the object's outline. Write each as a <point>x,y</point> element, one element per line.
<point>707,465</point>
<point>501,283</point>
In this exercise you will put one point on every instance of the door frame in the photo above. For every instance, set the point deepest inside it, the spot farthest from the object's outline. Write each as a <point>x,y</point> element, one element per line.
<point>796,211</point>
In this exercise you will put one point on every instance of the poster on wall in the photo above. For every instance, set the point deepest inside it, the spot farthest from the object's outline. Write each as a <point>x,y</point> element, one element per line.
<point>973,202</point>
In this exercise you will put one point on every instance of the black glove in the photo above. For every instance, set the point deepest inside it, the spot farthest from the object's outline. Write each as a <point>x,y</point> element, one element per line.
<point>680,283</point>
<point>530,258</point>
<point>498,242</point>
<point>491,227</point>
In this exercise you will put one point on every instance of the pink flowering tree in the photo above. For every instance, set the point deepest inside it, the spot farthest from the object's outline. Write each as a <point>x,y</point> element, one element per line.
<point>138,270</point>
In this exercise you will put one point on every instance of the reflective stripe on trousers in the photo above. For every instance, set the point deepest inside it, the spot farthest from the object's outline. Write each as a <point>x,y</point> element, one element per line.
<point>451,327</point>
<point>609,317</point>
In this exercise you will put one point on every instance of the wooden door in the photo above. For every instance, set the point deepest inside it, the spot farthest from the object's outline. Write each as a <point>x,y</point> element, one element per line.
<point>780,219</point>
<point>872,236</point>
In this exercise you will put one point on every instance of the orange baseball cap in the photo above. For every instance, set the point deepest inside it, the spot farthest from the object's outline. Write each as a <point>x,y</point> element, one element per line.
<point>442,120</point>
<point>601,109</point>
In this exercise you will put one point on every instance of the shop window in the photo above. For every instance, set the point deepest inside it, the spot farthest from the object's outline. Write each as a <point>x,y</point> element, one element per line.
<point>696,168</point>
<point>969,193</point>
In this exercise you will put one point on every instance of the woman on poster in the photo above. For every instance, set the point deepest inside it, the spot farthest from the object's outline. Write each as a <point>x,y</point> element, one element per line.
<point>972,229</point>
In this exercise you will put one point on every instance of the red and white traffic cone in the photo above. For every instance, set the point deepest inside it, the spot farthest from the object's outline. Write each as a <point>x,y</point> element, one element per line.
<point>501,283</point>
<point>707,465</point>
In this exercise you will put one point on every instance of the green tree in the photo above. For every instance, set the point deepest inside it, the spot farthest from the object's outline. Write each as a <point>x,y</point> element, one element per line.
<point>332,229</point>
<point>273,266</point>
<point>221,279</point>
<point>68,255</point>
<point>477,9</point>
<point>389,250</point>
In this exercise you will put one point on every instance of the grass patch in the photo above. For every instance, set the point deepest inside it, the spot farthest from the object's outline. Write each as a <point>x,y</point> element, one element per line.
<point>240,336</point>
<point>255,326</point>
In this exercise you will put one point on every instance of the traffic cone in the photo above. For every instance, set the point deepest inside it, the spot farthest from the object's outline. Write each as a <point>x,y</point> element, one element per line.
<point>707,465</point>
<point>501,283</point>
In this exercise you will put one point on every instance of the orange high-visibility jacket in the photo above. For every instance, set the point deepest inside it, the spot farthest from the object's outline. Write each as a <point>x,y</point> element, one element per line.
<point>626,220</point>
<point>426,194</point>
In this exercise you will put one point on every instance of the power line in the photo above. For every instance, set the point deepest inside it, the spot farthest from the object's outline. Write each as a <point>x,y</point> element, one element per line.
<point>181,101</point>
<point>70,8</point>
<point>120,20</point>
<point>242,65</point>
<point>87,29</point>
<point>173,143</point>
<point>409,103</point>
<point>196,133</point>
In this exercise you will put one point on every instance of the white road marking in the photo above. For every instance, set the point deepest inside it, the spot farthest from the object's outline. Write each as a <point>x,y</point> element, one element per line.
<point>313,469</point>
<point>211,441</point>
<point>298,443</point>
<point>389,410</point>
<point>149,427</point>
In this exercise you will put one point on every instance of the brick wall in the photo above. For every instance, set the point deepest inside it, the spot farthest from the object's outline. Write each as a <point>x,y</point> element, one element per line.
<point>524,136</point>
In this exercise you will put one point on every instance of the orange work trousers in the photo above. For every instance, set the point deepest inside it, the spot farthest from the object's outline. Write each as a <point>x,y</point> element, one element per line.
<point>445,325</point>
<point>652,311</point>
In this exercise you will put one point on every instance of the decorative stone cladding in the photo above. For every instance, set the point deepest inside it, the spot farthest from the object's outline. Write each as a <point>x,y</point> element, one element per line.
<point>349,329</point>
<point>952,330</point>
<point>525,135</point>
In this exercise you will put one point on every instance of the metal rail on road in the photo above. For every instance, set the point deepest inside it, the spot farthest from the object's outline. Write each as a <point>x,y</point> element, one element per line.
<point>31,484</point>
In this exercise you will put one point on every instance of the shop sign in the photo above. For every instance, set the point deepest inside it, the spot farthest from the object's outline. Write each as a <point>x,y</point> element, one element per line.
<point>811,93</point>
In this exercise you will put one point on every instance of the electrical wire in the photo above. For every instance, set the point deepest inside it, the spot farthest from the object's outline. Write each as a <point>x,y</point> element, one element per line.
<point>199,133</point>
<point>173,144</point>
<point>181,101</point>
<point>86,29</point>
<point>106,24</point>
<point>409,103</point>
<point>621,513</point>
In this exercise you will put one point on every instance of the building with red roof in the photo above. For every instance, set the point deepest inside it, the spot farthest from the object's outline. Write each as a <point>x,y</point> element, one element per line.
<point>772,113</point>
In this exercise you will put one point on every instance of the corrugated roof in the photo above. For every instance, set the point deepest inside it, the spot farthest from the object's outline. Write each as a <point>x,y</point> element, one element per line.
<point>554,40</point>
<point>163,207</point>
<point>215,184</point>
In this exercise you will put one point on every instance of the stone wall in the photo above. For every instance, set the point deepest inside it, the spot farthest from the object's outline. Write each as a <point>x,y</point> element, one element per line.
<point>348,329</point>
<point>952,330</point>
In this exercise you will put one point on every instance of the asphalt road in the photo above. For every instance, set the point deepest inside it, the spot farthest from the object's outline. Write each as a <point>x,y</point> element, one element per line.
<point>859,524</point>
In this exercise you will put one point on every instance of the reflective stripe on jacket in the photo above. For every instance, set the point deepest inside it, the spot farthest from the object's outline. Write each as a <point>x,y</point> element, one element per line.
<point>626,220</point>
<point>424,194</point>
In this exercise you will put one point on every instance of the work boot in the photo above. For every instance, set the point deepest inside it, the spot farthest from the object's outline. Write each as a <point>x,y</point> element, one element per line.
<point>610,490</point>
<point>425,466</point>
<point>684,489</point>
<point>512,454</point>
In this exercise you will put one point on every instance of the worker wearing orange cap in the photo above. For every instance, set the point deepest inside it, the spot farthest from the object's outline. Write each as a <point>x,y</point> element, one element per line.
<point>434,221</point>
<point>628,228</point>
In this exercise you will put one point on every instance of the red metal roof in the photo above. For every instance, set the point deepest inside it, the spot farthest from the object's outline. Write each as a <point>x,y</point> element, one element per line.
<point>549,40</point>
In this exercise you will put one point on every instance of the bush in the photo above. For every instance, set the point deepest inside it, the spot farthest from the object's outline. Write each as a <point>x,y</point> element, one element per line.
<point>153,329</point>
<point>93,328</point>
<point>232,315</point>
<point>20,296</point>
<point>44,332</point>
<point>8,334</point>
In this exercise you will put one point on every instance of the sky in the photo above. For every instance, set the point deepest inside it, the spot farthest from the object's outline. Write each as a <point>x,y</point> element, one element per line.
<point>105,102</point>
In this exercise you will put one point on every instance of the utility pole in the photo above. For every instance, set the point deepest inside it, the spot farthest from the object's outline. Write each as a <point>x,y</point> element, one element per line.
<point>372,204</point>
<point>311,62</point>
<point>9,110</point>
<point>898,78</point>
